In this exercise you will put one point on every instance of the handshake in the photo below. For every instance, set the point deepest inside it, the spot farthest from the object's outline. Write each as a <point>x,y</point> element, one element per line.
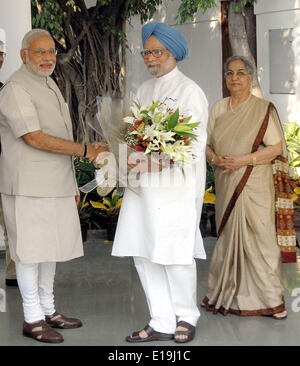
<point>94,149</point>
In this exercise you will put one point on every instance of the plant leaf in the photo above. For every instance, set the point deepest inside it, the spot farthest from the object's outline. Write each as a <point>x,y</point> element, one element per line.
<point>173,120</point>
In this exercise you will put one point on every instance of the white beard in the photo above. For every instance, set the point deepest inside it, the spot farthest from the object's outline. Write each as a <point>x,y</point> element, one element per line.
<point>36,68</point>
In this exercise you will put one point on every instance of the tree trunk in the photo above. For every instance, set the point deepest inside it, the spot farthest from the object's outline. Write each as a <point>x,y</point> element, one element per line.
<point>239,23</point>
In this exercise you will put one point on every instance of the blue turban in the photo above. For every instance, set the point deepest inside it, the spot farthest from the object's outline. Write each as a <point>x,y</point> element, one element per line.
<point>170,37</point>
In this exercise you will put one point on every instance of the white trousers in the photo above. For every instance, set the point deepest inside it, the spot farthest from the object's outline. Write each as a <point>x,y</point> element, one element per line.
<point>36,286</point>
<point>171,291</point>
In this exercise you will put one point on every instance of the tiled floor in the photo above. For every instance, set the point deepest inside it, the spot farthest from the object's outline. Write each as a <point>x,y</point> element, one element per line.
<point>105,293</point>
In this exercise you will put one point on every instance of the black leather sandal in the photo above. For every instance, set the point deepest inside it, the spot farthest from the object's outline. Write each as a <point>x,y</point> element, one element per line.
<point>190,332</point>
<point>152,336</point>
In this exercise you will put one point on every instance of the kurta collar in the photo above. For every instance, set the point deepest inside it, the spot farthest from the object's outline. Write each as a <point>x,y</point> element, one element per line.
<point>170,75</point>
<point>33,74</point>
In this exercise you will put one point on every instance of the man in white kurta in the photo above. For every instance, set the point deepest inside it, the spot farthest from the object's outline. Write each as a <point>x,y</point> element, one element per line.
<point>159,227</point>
<point>38,184</point>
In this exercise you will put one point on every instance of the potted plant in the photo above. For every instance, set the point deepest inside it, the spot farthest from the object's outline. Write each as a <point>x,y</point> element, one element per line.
<point>208,210</point>
<point>292,138</point>
<point>84,217</point>
<point>85,172</point>
<point>108,211</point>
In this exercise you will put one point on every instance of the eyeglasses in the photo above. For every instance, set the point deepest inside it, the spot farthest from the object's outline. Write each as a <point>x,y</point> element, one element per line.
<point>156,52</point>
<point>2,54</point>
<point>40,52</point>
<point>239,73</point>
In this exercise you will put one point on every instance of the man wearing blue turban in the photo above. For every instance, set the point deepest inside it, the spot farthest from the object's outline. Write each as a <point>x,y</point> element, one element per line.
<point>160,227</point>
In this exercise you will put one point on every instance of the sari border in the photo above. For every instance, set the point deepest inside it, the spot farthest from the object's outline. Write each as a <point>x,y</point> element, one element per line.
<point>284,210</point>
<point>259,312</point>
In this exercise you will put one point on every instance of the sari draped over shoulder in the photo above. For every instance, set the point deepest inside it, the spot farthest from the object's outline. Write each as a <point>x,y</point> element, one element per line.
<point>245,270</point>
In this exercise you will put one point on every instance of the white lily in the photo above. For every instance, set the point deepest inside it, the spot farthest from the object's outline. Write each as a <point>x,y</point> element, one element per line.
<point>178,151</point>
<point>158,137</point>
<point>129,120</point>
<point>137,111</point>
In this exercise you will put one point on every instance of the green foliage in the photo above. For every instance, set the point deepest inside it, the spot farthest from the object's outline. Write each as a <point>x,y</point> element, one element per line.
<point>85,171</point>
<point>145,9</point>
<point>188,8</point>
<point>50,17</point>
<point>292,137</point>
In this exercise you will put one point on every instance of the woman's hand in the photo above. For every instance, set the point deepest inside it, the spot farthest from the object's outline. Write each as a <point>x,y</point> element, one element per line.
<point>219,161</point>
<point>233,163</point>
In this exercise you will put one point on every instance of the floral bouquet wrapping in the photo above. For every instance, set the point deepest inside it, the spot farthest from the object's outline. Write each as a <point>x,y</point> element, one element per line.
<point>154,132</point>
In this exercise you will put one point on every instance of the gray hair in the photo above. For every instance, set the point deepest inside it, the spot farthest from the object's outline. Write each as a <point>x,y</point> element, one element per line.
<point>31,35</point>
<point>249,66</point>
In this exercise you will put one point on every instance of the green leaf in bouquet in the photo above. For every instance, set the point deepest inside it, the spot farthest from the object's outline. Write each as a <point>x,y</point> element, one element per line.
<point>140,128</point>
<point>137,105</point>
<point>168,117</point>
<point>147,119</point>
<point>187,134</point>
<point>182,128</point>
<point>187,119</point>
<point>158,117</point>
<point>193,125</point>
<point>173,119</point>
<point>154,105</point>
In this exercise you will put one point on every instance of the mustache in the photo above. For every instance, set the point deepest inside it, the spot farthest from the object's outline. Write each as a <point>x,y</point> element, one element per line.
<point>152,64</point>
<point>47,63</point>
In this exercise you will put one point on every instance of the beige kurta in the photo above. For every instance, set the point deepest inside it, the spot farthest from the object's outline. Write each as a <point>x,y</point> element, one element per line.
<point>38,187</point>
<point>42,229</point>
<point>244,275</point>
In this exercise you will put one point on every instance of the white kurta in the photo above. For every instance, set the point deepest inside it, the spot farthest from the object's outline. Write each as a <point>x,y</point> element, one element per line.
<point>162,222</point>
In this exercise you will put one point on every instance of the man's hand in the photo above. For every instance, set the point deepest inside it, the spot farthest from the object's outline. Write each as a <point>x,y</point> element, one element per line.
<point>95,149</point>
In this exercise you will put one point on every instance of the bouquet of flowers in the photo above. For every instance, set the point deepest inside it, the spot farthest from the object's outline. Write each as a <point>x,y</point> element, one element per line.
<point>160,129</point>
<point>155,129</point>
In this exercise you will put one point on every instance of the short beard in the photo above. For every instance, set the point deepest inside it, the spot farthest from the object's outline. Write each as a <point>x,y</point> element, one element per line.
<point>157,70</point>
<point>35,68</point>
<point>154,69</point>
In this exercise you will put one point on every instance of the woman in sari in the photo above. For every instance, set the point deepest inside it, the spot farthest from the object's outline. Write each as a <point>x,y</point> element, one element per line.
<point>244,136</point>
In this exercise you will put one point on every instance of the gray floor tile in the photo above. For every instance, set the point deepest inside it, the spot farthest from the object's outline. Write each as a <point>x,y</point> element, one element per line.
<point>105,292</point>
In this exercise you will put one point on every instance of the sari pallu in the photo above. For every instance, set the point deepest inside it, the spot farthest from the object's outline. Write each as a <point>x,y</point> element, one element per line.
<point>244,276</point>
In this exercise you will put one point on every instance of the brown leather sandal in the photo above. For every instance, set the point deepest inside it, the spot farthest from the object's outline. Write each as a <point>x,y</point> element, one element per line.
<point>41,332</point>
<point>152,336</point>
<point>60,321</point>
<point>189,332</point>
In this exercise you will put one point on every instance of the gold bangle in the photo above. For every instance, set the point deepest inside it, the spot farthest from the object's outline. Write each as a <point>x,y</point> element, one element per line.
<point>253,160</point>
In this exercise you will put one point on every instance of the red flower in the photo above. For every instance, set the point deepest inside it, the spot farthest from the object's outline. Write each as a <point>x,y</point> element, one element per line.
<point>138,147</point>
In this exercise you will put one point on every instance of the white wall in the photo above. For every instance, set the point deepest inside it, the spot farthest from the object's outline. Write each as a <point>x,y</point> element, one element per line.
<point>204,62</point>
<point>15,19</point>
<point>278,14</point>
